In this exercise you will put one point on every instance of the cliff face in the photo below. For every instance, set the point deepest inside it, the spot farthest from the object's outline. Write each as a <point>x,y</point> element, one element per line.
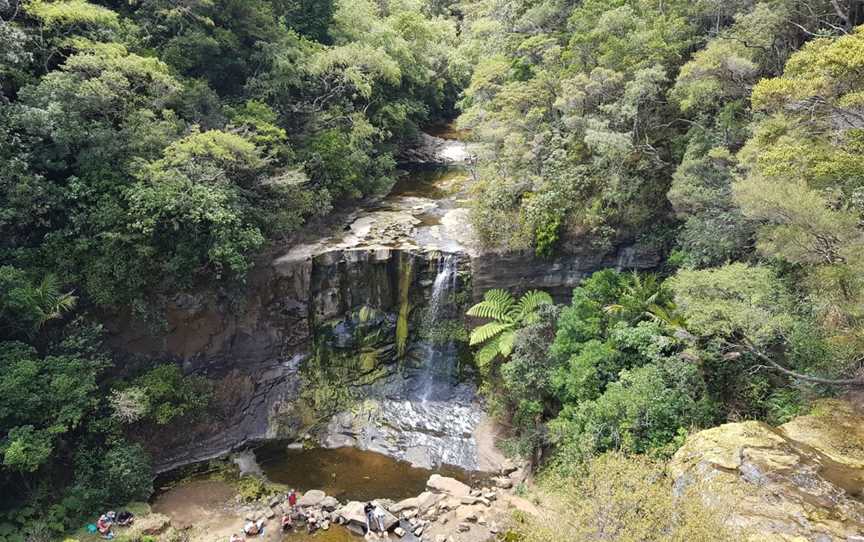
<point>558,276</point>
<point>318,330</point>
<point>308,334</point>
<point>802,481</point>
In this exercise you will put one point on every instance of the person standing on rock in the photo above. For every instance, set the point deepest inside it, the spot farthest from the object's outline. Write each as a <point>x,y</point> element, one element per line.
<point>368,511</point>
<point>379,519</point>
<point>292,500</point>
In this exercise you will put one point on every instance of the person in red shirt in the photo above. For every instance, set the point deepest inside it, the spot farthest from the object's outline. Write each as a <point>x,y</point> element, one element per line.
<point>292,499</point>
<point>104,527</point>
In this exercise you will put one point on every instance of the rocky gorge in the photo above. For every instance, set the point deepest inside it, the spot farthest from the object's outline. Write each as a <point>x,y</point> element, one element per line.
<point>353,339</point>
<point>349,337</point>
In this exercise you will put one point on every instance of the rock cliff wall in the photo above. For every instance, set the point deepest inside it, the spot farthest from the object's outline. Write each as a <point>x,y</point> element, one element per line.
<point>802,481</point>
<point>315,333</point>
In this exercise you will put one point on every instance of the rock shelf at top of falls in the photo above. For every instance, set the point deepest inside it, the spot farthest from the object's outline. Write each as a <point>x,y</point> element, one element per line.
<point>425,210</point>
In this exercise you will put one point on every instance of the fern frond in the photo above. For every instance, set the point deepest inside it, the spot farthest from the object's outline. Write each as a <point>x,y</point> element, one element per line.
<point>486,355</point>
<point>530,302</point>
<point>506,342</point>
<point>496,304</point>
<point>487,331</point>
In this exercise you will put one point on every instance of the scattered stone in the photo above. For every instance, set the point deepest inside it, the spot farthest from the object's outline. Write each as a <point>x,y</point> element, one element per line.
<point>325,525</point>
<point>274,502</point>
<point>490,495</point>
<point>481,521</point>
<point>418,531</point>
<point>441,538</point>
<point>494,529</point>
<point>472,517</point>
<point>463,527</point>
<point>270,514</point>
<point>399,531</point>
<point>409,514</point>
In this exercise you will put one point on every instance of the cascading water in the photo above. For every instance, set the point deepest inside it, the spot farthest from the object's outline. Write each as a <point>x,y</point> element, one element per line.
<point>439,354</point>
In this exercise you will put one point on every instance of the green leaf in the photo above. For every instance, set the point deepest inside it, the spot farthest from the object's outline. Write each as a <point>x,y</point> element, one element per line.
<point>488,331</point>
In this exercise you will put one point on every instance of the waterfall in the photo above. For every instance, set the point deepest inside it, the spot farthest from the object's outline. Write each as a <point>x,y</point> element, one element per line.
<point>439,359</point>
<point>443,287</point>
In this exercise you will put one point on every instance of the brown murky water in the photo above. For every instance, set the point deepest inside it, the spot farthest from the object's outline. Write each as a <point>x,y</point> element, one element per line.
<point>432,182</point>
<point>347,473</point>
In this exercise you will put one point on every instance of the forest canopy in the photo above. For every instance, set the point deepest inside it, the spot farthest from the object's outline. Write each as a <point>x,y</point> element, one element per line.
<point>152,147</point>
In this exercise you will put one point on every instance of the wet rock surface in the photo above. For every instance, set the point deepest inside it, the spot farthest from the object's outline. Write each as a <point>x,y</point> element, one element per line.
<point>426,433</point>
<point>801,481</point>
<point>429,149</point>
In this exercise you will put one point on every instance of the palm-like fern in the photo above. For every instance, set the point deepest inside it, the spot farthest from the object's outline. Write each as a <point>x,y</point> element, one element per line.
<point>49,302</point>
<point>508,315</point>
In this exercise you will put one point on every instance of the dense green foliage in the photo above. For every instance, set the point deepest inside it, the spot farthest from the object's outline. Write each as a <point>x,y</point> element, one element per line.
<point>729,132</point>
<point>152,147</point>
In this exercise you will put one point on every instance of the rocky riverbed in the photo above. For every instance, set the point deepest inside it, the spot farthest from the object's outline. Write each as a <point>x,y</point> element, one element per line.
<point>447,510</point>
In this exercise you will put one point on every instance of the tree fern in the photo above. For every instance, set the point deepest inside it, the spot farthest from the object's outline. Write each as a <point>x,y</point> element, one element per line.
<point>486,355</point>
<point>496,305</point>
<point>529,304</point>
<point>498,337</point>
<point>50,301</point>
<point>487,331</point>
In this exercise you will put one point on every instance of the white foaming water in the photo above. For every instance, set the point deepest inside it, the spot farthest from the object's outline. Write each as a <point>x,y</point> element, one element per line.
<point>439,359</point>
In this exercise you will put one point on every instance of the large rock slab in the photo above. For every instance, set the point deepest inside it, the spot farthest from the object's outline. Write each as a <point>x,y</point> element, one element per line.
<point>313,497</point>
<point>354,516</point>
<point>422,502</point>
<point>802,481</point>
<point>448,486</point>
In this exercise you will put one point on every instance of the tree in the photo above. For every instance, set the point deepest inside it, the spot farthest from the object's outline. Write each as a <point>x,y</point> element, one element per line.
<point>26,306</point>
<point>508,315</point>
<point>748,308</point>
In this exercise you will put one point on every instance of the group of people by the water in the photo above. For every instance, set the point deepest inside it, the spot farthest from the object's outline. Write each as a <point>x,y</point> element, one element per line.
<point>375,516</point>
<point>106,522</point>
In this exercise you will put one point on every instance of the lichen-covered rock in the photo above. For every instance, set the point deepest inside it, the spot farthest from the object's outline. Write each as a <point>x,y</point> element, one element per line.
<point>800,482</point>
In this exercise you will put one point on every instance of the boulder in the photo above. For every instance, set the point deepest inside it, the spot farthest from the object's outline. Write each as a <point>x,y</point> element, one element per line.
<point>399,531</point>
<point>329,504</point>
<point>775,484</point>
<point>313,497</point>
<point>508,466</point>
<point>352,513</point>
<point>449,486</point>
<point>503,483</point>
<point>422,502</point>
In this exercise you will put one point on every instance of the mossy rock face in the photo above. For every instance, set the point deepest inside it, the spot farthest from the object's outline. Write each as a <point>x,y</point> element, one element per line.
<point>801,481</point>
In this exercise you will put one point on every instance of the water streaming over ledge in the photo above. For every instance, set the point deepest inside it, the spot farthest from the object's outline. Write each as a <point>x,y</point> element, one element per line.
<point>439,360</point>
